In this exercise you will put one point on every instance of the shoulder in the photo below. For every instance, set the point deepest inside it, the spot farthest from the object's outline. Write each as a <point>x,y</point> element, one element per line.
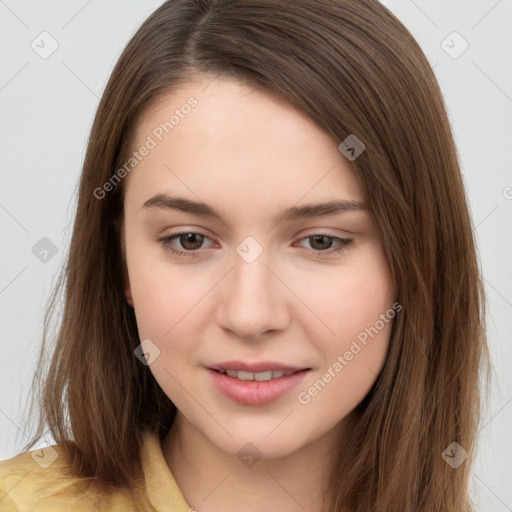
<point>40,480</point>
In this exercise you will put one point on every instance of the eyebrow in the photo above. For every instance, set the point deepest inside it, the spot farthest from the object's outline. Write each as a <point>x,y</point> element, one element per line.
<point>294,213</point>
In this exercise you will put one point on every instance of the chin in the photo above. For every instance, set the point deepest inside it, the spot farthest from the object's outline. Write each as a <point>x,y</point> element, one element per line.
<point>258,443</point>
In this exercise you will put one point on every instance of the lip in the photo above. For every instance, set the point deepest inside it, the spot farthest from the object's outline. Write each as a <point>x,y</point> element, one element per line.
<point>261,366</point>
<point>252,392</point>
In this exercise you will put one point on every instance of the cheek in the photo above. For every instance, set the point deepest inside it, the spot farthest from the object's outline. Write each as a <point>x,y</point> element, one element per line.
<point>164,294</point>
<point>359,313</point>
<point>368,296</point>
<point>351,298</point>
<point>165,306</point>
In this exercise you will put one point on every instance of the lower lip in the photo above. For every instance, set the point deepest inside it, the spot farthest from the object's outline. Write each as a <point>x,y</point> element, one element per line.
<point>253,392</point>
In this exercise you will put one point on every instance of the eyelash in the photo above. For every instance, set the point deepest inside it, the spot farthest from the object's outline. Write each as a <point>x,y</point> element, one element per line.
<point>343,243</point>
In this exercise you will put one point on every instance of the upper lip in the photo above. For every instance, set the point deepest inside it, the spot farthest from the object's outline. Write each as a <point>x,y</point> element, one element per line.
<point>256,367</point>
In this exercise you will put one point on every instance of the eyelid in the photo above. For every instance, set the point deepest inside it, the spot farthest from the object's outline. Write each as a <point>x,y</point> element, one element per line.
<point>342,243</point>
<point>167,238</point>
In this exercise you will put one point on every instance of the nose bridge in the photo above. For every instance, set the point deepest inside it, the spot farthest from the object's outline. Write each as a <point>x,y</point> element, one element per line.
<point>254,300</point>
<point>252,277</point>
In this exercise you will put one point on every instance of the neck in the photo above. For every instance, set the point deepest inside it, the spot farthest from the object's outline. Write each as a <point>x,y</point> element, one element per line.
<point>212,480</point>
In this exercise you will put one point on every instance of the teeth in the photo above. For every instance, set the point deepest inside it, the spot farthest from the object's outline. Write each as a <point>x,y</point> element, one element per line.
<point>260,376</point>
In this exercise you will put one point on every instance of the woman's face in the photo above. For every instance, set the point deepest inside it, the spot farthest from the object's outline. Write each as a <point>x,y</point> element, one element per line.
<point>272,282</point>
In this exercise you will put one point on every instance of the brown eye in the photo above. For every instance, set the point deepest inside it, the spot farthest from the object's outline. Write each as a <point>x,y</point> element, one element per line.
<point>326,245</point>
<point>321,242</point>
<point>191,241</point>
<point>185,244</point>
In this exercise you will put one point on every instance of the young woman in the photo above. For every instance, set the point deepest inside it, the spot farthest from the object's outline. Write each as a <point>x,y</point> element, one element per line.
<point>272,297</point>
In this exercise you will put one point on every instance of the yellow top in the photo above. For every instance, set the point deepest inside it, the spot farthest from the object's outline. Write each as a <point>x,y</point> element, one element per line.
<point>35,481</point>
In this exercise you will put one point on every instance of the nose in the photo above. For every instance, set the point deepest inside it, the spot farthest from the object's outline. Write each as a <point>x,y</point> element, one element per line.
<point>254,300</point>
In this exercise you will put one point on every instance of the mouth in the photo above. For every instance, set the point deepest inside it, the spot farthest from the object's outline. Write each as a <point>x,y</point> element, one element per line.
<point>259,376</point>
<point>257,383</point>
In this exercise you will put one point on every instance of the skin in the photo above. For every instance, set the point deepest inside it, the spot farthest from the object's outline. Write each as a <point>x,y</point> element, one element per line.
<point>250,154</point>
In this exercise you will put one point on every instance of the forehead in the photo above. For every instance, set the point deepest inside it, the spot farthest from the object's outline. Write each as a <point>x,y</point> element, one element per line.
<point>224,141</point>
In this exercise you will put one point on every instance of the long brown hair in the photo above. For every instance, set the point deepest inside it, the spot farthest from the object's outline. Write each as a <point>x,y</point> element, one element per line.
<point>353,68</point>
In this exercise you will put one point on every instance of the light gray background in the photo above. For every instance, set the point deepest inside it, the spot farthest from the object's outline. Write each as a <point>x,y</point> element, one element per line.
<point>47,107</point>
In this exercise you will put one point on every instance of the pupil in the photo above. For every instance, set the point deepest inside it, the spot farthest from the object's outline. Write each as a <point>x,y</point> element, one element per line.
<point>189,238</point>
<point>322,237</point>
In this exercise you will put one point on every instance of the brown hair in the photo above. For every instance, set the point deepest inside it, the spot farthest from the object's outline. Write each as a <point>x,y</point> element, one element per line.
<point>353,68</point>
